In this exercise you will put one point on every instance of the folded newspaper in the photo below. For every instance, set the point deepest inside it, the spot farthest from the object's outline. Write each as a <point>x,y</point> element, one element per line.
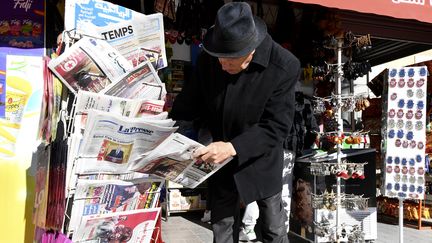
<point>115,144</point>
<point>89,64</point>
<point>173,160</point>
<point>93,197</point>
<point>110,140</point>
<point>140,82</point>
<point>135,35</point>
<point>87,101</point>
<point>136,226</point>
<point>138,39</point>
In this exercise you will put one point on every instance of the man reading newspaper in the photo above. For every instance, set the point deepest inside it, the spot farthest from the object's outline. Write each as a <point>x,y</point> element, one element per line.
<point>244,91</point>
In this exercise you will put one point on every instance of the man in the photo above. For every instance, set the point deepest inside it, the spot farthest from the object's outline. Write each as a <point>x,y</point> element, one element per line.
<point>115,155</point>
<point>244,92</point>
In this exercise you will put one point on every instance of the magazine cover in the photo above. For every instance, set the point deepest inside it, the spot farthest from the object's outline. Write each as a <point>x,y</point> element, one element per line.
<point>135,226</point>
<point>94,197</point>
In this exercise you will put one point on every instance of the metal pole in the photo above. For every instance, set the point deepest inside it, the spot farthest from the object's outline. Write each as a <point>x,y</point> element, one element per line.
<point>401,215</point>
<point>338,93</point>
<point>142,6</point>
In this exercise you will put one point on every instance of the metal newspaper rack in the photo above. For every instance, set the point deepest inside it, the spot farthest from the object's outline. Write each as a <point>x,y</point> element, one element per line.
<point>72,178</point>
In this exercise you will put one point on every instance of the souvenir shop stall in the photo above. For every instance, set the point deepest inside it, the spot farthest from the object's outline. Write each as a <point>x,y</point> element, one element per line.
<point>397,120</point>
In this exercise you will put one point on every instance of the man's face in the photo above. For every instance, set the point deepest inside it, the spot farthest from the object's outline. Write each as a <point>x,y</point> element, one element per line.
<point>237,64</point>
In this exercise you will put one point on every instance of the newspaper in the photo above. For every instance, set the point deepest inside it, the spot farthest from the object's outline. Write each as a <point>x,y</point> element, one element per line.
<point>87,101</point>
<point>172,160</point>
<point>138,39</point>
<point>135,226</point>
<point>135,35</point>
<point>141,82</point>
<point>118,145</point>
<point>94,197</point>
<point>89,64</point>
<point>116,140</point>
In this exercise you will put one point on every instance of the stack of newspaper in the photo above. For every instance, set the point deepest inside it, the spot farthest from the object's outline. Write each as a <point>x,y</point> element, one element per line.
<point>122,146</point>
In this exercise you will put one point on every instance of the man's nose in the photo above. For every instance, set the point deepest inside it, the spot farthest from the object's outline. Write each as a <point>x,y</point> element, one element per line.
<point>223,61</point>
<point>225,64</point>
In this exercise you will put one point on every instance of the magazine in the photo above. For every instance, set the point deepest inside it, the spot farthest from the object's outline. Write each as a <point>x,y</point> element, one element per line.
<point>93,197</point>
<point>135,35</point>
<point>141,82</point>
<point>89,64</point>
<point>134,226</point>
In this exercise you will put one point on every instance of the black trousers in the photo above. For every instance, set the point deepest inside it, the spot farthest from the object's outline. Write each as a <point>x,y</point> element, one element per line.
<point>272,216</point>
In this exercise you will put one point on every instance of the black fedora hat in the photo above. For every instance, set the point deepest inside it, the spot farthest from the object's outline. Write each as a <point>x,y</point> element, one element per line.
<point>236,31</point>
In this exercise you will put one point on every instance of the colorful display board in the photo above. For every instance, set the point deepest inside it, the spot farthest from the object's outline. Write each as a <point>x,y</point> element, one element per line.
<point>406,133</point>
<point>22,24</point>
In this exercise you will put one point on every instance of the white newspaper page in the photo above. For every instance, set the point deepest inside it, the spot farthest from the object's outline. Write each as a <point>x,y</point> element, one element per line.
<point>141,82</point>
<point>111,140</point>
<point>138,39</point>
<point>93,197</point>
<point>90,64</point>
<point>172,160</point>
<point>134,34</point>
<point>135,226</point>
<point>87,101</point>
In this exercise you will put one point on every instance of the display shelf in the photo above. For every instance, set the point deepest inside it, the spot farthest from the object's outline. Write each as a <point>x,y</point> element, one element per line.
<point>181,199</point>
<point>422,220</point>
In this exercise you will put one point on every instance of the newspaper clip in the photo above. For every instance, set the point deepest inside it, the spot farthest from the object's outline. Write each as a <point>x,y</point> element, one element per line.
<point>153,56</point>
<point>69,117</point>
<point>73,36</point>
<point>157,86</point>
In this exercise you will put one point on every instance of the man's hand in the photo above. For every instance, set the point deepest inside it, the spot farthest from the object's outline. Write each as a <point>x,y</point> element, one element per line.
<point>216,152</point>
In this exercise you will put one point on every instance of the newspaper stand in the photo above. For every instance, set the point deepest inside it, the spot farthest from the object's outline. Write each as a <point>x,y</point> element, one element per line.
<point>117,68</point>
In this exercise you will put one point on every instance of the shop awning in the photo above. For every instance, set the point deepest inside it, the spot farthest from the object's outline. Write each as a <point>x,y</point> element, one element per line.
<point>405,9</point>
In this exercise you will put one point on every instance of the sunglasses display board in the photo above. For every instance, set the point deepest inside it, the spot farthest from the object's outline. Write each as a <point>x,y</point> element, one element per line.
<point>405,134</point>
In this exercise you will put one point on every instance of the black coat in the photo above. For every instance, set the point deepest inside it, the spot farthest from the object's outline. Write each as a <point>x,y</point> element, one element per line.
<point>253,110</point>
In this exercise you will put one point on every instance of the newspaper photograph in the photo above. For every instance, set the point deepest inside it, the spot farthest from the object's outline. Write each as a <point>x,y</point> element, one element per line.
<point>135,35</point>
<point>172,160</point>
<point>93,197</point>
<point>89,64</point>
<point>135,226</point>
<point>117,140</point>
<point>141,82</point>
